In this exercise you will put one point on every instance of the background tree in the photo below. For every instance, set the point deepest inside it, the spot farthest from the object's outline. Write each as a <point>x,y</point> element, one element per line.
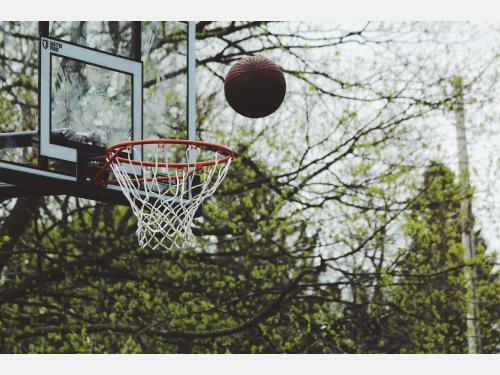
<point>431,291</point>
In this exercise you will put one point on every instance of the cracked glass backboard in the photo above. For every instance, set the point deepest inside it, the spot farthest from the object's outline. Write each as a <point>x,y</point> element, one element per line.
<point>69,86</point>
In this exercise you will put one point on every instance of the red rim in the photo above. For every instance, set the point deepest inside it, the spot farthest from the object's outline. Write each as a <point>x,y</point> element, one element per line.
<point>113,151</point>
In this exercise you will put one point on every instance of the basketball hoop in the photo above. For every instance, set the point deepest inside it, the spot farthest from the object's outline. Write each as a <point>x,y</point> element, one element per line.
<point>165,196</point>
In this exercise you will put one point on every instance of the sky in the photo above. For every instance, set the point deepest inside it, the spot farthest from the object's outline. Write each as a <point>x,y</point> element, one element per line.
<point>443,49</point>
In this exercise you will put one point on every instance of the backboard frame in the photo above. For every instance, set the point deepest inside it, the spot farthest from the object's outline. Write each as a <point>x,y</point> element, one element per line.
<point>49,47</point>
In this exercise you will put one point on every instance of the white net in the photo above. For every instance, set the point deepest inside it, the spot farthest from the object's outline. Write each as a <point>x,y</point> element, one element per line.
<point>165,198</point>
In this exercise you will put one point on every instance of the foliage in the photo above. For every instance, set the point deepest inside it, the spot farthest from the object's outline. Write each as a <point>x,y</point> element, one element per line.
<point>431,293</point>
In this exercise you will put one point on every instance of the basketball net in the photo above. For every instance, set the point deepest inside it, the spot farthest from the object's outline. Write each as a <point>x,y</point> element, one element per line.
<point>165,199</point>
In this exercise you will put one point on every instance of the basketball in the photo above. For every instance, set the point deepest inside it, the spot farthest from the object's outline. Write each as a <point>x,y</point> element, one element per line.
<point>255,87</point>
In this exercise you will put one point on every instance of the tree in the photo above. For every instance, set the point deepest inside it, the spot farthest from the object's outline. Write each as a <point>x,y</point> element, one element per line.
<point>431,293</point>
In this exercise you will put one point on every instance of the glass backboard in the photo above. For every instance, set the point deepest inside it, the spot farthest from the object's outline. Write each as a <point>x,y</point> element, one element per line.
<point>70,86</point>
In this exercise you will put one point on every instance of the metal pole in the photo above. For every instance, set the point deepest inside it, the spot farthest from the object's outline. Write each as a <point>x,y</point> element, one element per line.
<point>43,30</point>
<point>191,84</point>
<point>468,243</point>
<point>136,40</point>
<point>192,153</point>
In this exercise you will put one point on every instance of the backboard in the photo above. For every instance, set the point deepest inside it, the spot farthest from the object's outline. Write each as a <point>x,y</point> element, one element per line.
<point>74,88</point>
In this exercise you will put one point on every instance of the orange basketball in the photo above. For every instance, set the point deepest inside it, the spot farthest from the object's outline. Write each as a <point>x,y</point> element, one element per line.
<point>255,87</point>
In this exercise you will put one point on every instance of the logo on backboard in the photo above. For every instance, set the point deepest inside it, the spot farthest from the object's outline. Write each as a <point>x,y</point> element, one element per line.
<point>52,44</point>
<point>55,46</point>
